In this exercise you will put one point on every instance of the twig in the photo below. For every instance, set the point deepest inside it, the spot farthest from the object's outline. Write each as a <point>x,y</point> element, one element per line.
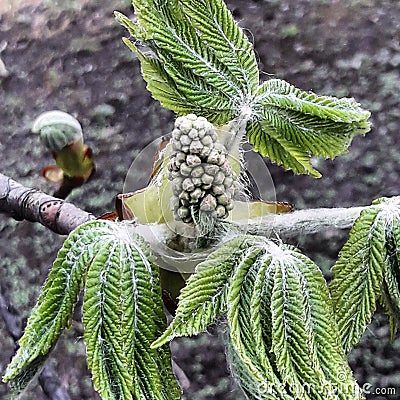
<point>33,205</point>
<point>62,217</point>
<point>300,222</point>
<point>180,375</point>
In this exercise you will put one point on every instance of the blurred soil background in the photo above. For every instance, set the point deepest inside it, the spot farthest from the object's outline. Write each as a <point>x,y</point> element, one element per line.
<point>69,56</point>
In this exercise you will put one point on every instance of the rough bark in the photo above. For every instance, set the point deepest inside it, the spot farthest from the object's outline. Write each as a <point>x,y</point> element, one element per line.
<point>33,205</point>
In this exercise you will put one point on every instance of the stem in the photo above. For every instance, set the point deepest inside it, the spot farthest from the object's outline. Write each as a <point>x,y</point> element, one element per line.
<point>282,225</point>
<point>303,221</point>
<point>62,217</point>
<point>33,205</point>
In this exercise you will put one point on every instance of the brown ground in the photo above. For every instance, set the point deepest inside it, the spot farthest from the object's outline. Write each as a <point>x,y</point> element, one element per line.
<point>71,58</point>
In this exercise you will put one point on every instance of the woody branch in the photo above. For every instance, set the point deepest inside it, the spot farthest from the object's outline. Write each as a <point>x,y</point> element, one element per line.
<point>24,203</point>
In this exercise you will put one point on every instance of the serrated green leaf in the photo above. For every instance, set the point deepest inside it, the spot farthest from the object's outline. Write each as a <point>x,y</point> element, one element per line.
<point>304,338</point>
<point>149,323</point>
<point>358,276</point>
<point>200,61</point>
<point>203,298</point>
<point>250,355</point>
<point>122,315</point>
<point>390,297</point>
<point>103,310</point>
<point>219,31</point>
<point>281,94</point>
<point>282,335</point>
<point>390,300</point>
<point>54,307</point>
<point>279,150</point>
<point>291,125</point>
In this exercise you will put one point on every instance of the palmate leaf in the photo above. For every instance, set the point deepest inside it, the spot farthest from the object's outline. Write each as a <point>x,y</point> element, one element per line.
<point>195,59</point>
<point>122,314</point>
<point>290,125</point>
<point>200,61</point>
<point>282,336</point>
<point>367,271</point>
<point>54,307</point>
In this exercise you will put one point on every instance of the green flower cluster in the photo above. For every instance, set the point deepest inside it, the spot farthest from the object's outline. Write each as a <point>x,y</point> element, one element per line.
<point>201,174</point>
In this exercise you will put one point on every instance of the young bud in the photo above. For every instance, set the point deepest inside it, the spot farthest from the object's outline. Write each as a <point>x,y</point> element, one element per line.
<point>183,125</point>
<point>207,141</point>
<point>228,181</point>
<point>197,182</point>
<point>185,169</point>
<point>207,179</point>
<point>193,160</point>
<point>222,159</point>
<point>211,169</point>
<point>223,199</point>
<point>227,168</point>
<point>195,147</point>
<point>208,204</point>
<point>176,134</point>
<point>193,134</point>
<point>196,195</point>
<point>218,189</point>
<point>57,129</point>
<point>184,196</point>
<point>205,151</point>
<point>185,140</point>
<point>220,211</point>
<point>213,157</point>
<point>197,172</point>
<point>219,178</point>
<point>188,185</point>
<point>180,157</point>
<point>183,212</point>
<point>201,134</point>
